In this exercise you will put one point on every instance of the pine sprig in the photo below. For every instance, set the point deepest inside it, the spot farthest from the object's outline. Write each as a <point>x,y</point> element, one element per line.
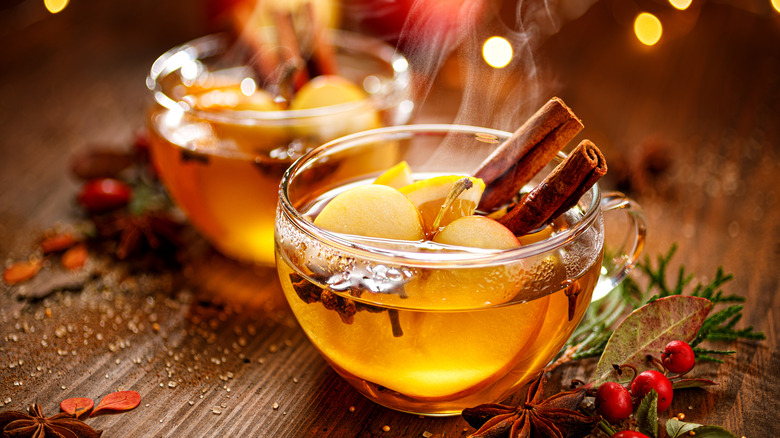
<point>590,337</point>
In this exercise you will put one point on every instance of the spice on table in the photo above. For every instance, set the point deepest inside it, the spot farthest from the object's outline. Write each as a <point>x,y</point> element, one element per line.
<point>554,416</point>
<point>35,424</point>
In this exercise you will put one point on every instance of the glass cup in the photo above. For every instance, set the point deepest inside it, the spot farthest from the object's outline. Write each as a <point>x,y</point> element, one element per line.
<point>222,162</point>
<point>431,329</point>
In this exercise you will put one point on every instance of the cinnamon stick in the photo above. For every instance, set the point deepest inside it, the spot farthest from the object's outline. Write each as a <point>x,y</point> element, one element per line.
<point>526,152</point>
<point>560,190</point>
<point>323,56</point>
<point>292,63</point>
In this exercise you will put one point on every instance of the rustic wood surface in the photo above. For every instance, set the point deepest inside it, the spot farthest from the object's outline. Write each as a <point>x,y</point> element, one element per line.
<point>213,349</point>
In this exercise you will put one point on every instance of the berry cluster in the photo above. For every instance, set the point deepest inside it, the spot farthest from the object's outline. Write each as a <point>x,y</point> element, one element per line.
<point>615,403</point>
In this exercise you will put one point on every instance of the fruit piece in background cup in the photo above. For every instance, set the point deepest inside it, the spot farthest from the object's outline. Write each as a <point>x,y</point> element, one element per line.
<point>326,91</point>
<point>248,134</point>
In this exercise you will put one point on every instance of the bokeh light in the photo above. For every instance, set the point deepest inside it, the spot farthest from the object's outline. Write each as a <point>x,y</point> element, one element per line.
<point>55,6</point>
<point>497,52</point>
<point>647,28</point>
<point>681,4</point>
<point>776,5</point>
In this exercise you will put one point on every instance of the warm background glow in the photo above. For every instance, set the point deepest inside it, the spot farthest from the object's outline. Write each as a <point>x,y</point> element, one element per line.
<point>55,6</point>
<point>497,52</point>
<point>647,28</point>
<point>776,5</point>
<point>681,4</point>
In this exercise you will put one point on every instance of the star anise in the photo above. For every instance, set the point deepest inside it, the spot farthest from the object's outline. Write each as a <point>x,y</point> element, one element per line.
<point>554,417</point>
<point>152,227</point>
<point>35,425</point>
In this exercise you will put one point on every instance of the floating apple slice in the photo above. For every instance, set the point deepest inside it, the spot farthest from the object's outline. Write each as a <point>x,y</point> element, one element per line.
<point>428,195</point>
<point>477,232</point>
<point>396,177</point>
<point>372,211</point>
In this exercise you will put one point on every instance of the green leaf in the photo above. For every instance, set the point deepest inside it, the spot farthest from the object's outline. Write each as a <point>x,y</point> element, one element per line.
<point>692,383</point>
<point>647,414</point>
<point>676,428</point>
<point>712,432</point>
<point>648,329</point>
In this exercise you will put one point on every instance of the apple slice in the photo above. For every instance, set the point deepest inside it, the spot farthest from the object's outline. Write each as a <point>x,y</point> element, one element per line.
<point>372,211</point>
<point>469,287</point>
<point>428,195</point>
<point>331,90</point>
<point>477,232</point>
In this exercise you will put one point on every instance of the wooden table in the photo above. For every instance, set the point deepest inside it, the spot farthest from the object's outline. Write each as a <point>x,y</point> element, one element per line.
<point>215,352</point>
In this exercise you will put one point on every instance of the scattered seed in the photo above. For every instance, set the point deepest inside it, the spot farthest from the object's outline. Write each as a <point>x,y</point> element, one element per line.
<point>276,406</point>
<point>427,434</point>
<point>386,428</point>
<point>351,409</point>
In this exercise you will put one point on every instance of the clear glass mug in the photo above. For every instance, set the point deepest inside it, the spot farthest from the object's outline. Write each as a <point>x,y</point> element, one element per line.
<point>222,164</point>
<point>433,330</point>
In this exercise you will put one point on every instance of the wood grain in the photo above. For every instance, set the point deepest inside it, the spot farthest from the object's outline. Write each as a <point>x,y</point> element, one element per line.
<point>215,352</point>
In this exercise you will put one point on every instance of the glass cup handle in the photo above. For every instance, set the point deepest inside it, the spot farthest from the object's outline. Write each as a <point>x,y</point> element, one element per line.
<point>625,257</point>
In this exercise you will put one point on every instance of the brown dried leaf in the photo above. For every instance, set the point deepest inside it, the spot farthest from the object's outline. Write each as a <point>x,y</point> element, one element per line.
<point>77,406</point>
<point>117,401</point>
<point>21,271</point>
<point>58,242</point>
<point>75,257</point>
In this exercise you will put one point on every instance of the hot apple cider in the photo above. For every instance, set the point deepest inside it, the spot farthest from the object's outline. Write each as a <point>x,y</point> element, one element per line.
<point>431,340</point>
<point>443,282</point>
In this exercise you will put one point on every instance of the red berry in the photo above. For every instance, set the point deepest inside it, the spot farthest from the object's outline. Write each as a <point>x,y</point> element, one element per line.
<point>678,357</point>
<point>104,194</point>
<point>651,379</point>
<point>629,434</point>
<point>613,402</point>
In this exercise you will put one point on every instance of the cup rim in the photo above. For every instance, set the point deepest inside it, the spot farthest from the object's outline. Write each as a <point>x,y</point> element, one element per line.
<point>214,44</point>
<point>366,251</point>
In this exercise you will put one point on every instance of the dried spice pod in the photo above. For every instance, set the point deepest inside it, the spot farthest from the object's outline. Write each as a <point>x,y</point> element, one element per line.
<point>58,242</point>
<point>557,415</point>
<point>75,257</point>
<point>35,425</point>
<point>21,271</point>
<point>99,162</point>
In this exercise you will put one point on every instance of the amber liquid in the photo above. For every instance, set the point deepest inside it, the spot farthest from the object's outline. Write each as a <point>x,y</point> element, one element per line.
<point>446,360</point>
<point>226,177</point>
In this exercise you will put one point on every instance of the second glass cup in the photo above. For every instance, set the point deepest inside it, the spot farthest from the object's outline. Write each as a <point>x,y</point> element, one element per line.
<point>220,145</point>
<point>427,328</point>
